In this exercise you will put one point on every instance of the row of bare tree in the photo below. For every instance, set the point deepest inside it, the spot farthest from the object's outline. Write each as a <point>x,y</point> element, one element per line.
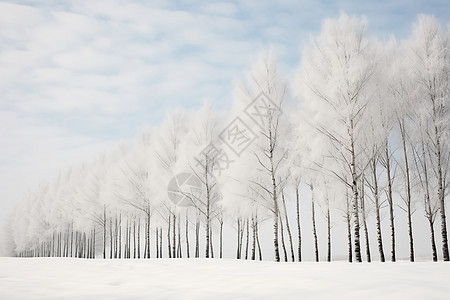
<point>365,128</point>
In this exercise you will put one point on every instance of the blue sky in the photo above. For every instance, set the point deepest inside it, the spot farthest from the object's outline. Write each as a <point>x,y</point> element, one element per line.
<point>80,76</point>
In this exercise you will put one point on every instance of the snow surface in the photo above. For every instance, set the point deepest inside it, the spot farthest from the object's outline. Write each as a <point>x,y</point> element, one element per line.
<point>64,278</point>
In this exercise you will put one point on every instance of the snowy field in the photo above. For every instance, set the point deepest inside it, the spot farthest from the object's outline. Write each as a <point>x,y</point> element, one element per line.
<point>63,278</point>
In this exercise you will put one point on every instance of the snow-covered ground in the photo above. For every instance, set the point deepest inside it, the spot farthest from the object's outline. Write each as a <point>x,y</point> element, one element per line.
<point>63,278</point>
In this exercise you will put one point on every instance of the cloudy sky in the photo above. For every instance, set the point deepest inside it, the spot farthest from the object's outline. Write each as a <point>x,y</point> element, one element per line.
<point>77,77</point>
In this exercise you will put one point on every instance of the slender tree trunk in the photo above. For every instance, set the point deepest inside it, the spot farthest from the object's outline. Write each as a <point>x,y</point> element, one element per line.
<point>329,233</point>
<point>111,238</point>
<point>433,241</point>
<point>283,245</point>
<point>429,213</point>
<point>253,238</point>
<point>157,242</point>
<point>120,236</point>
<point>364,217</point>
<point>247,239</point>
<point>313,213</point>
<point>168,238</point>
<point>288,228</point>
<point>241,238</point>
<point>408,190</point>
<point>127,240</point>
<point>299,250</point>
<point>257,239</point>
<point>390,199</point>
<point>161,242</point>
<point>139,238</point>
<point>104,231</point>
<point>125,250</point>
<point>197,236</point>
<point>211,243</point>
<point>71,240</point>
<point>355,194</point>
<point>179,250</point>
<point>187,235</point>
<point>65,245</point>
<point>275,221</point>
<point>93,245</point>
<point>208,204</point>
<point>174,234</point>
<point>148,233</point>
<point>377,209</point>
<point>238,248</point>
<point>130,233</point>
<point>441,195</point>
<point>349,229</point>
<point>134,238</point>
<point>116,234</point>
<point>221,238</point>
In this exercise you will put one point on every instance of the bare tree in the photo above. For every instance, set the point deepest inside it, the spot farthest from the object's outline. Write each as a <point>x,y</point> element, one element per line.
<point>429,58</point>
<point>336,76</point>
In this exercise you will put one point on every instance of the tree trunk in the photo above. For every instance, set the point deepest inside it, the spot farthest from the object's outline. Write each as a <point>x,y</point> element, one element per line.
<point>429,213</point>
<point>207,225</point>
<point>247,239</point>
<point>179,250</point>
<point>157,242</point>
<point>288,227</point>
<point>390,199</point>
<point>221,238</point>
<point>349,229</point>
<point>104,231</point>
<point>253,238</point>
<point>116,231</point>
<point>134,238</point>
<point>257,239</point>
<point>161,242</point>
<point>71,239</point>
<point>111,238</point>
<point>441,194</point>
<point>139,239</point>
<point>355,194</point>
<point>275,221</point>
<point>377,209</point>
<point>93,245</point>
<point>148,233</point>
<point>299,250</point>
<point>329,233</point>
<point>120,236</point>
<point>168,238</point>
<point>211,243</point>
<point>174,235</point>
<point>313,214</point>
<point>364,216</point>
<point>433,241</point>
<point>241,239</point>
<point>187,235</point>
<point>408,190</point>
<point>197,236</point>
<point>283,245</point>
<point>238,248</point>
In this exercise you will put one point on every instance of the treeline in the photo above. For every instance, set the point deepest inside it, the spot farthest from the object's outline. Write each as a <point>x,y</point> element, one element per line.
<point>364,125</point>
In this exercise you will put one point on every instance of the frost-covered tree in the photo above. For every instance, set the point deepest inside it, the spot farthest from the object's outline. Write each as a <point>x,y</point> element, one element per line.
<point>429,59</point>
<point>261,98</point>
<point>334,77</point>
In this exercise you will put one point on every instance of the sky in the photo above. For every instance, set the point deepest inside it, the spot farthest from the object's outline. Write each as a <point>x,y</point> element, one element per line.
<point>78,77</point>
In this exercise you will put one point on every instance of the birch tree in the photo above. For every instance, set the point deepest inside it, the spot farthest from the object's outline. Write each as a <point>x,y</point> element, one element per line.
<point>429,58</point>
<point>335,74</point>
